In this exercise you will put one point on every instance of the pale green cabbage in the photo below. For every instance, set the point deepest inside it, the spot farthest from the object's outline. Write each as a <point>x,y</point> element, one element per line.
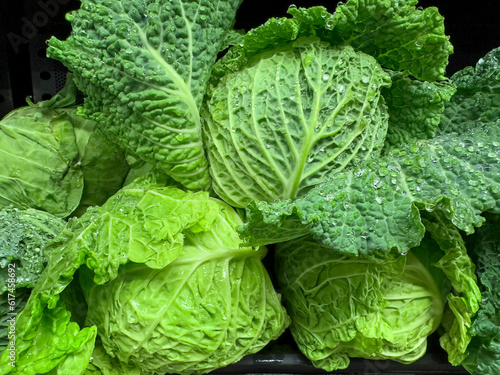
<point>56,161</point>
<point>345,306</point>
<point>167,284</point>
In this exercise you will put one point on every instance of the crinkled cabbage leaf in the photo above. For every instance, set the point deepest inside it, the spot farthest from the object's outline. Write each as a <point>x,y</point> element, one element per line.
<point>400,36</point>
<point>143,66</point>
<point>415,108</point>
<point>25,233</point>
<point>463,301</point>
<point>484,348</point>
<point>375,207</point>
<point>477,100</point>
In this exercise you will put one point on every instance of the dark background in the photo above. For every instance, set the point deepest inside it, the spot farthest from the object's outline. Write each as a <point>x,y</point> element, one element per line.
<point>473,27</point>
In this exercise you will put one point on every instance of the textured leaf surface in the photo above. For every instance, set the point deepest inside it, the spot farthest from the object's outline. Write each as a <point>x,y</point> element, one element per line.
<point>144,66</point>
<point>45,337</point>
<point>397,34</point>
<point>25,233</point>
<point>477,100</point>
<point>39,154</point>
<point>463,301</point>
<point>344,306</point>
<point>484,349</point>
<point>415,109</point>
<point>292,117</point>
<point>133,226</point>
<point>375,207</point>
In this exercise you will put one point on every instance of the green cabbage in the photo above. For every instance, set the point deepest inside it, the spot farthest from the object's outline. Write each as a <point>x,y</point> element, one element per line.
<point>301,99</point>
<point>291,118</point>
<point>168,288</point>
<point>344,306</point>
<point>54,160</point>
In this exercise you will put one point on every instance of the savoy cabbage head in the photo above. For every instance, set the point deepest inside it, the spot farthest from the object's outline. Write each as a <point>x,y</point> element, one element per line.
<point>291,118</point>
<point>301,99</point>
<point>345,306</point>
<point>167,285</point>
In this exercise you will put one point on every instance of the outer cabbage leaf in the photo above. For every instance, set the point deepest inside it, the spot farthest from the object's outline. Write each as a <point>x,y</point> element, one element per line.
<point>477,100</point>
<point>46,340</point>
<point>292,117</point>
<point>133,226</point>
<point>415,108</point>
<point>484,348</point>
<point>463,301</point>
<point>20,298</point>
<point>25,233</point>
<point>397,34</point>
<point>344,306</point>
<point>144,66</point>
<point>375,207</point>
